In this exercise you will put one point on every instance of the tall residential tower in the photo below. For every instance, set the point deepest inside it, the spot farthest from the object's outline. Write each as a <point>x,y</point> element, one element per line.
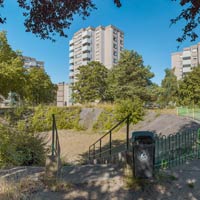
<point>102,44</point>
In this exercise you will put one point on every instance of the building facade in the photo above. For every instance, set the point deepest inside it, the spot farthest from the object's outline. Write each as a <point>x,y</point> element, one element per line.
<point>32,62</point>
<point>103,44</point>
<point>62,94</point>
<point>183,62</point>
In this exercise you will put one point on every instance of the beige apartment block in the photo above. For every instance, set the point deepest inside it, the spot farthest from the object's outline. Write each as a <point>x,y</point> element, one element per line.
<point>103,44</point>
<point>63,94</point>
<point>183,62</point>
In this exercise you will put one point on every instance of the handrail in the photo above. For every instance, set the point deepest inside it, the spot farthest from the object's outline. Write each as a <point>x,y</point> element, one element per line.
<point>127,119</point>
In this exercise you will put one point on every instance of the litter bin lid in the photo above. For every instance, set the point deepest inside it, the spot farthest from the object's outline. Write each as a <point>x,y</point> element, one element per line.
<point>137,134</point>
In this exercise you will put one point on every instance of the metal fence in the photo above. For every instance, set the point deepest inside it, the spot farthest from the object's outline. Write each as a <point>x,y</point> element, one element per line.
<point>176,149</point>
<point>193,112</point>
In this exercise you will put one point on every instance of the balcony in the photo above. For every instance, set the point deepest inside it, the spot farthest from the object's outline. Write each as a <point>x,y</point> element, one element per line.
<point>86,55</point>
<point>86,48</point>
<point>71,68</point>
<point>71,61</point>
<point>71,74</point>
<point>187,69</point>
<point>187,62</point>
<point>71,48</point>
<point>71,42</point>
<point>86,34</point>
<point>86,41</point>
<point>71,55</point>
<point>84,62</point>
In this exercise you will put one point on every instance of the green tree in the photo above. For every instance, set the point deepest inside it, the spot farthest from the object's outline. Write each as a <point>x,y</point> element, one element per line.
<point>39,87</point>
<point>128,106</point>
<point>91,83</point>
<point>131,77</point>
<point>190,14</point>
<point>154,92</point>
<point>189,88</point>
<point>12,73</point>
<point>169,88</point>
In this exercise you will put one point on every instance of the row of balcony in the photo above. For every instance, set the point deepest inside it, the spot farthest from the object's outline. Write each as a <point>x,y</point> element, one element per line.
<point>84,41</point>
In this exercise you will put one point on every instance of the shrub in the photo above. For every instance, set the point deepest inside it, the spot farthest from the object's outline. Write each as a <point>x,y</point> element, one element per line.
<point>106,119</point>
<point>133,107</point>
<point>19,148</point>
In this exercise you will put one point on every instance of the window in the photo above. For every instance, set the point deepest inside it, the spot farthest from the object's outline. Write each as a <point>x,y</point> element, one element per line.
<point>114,38</point>
<point>114,46</point>
<point>115,53</point>
<point>115,60</point>
<point>187,58</point>
<point>186,65</point>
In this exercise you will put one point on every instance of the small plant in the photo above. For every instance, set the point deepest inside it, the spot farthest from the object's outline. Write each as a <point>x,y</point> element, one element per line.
<point>173,177</point>
<point>191,183</point>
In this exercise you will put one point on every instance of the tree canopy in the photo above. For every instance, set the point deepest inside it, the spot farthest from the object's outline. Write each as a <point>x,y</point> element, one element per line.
<point>126,80</point>
<point>91,83</point>
<point>169,88</point>
<point>12,73</point>
<point>131,77</point>
<point>191,15</point>
<point>32,85</point>
<point>46,18</point>
<point>189,88</point>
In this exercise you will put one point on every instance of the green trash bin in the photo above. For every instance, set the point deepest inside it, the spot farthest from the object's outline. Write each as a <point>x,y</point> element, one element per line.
<point>143,153</point>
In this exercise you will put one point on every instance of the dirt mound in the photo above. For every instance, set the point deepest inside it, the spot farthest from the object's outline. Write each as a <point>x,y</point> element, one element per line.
<point>166,124</point>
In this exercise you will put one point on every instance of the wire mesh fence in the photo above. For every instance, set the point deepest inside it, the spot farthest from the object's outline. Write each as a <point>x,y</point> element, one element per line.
<point>193,112</point>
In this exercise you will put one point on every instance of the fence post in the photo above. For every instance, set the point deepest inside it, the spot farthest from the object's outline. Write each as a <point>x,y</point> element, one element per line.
<point>110,142</point>
<point>53,133</point>
<point>94,151</point>
<point>193,113</point>
<point>89,153</point>
<point>100,148</point>
<point>127,132</point>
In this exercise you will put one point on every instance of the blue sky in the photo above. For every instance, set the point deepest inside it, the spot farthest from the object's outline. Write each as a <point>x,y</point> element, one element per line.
<point>146,25</point>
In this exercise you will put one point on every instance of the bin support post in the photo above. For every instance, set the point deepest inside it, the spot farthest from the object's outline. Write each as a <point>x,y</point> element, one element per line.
<point>110,142</point>
<point>100,147</point>
<point>127,132</point>
<point>94,151</point>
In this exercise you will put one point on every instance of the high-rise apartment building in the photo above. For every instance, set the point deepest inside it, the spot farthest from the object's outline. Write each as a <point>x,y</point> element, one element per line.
<point>183,62</point>
<point>103,44</point>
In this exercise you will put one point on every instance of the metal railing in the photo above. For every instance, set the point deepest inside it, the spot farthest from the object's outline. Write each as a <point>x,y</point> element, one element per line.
<point>98,153</point>
<point>176,149</point>
<point>55,147</point>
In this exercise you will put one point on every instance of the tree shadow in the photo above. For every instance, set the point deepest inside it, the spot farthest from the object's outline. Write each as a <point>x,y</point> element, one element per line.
<point>104,182</point>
